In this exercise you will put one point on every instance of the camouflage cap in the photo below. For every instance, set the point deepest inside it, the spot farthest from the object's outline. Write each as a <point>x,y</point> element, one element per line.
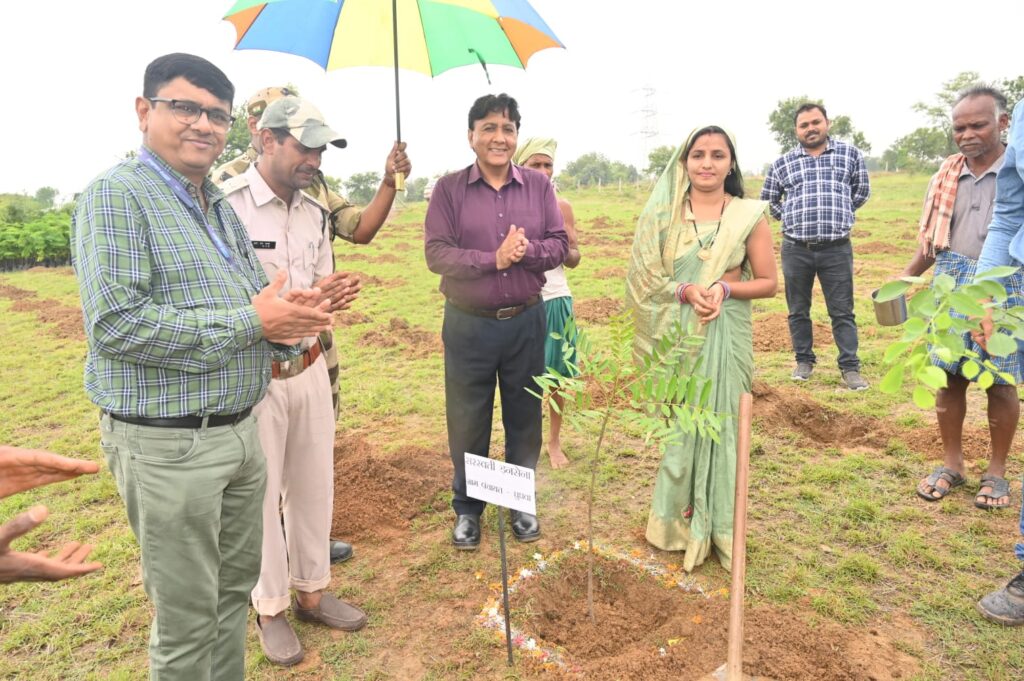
<point>303,120</point>
<point>259,101</point>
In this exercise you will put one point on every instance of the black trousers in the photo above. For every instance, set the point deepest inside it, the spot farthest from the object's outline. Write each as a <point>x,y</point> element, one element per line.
<point>478,351</point>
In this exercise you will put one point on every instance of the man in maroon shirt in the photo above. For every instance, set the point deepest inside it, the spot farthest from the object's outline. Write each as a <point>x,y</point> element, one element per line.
<point>491,231</point>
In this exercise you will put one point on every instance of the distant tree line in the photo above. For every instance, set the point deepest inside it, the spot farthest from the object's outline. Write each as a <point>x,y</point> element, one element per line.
<point>924,149</point>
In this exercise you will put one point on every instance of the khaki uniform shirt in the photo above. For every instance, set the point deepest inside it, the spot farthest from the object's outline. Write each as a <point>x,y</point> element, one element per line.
<point>344,216</point>
<point>289,236</point>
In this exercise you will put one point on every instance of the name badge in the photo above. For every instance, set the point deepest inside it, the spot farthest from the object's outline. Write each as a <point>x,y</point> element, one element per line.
<point>264,245</point>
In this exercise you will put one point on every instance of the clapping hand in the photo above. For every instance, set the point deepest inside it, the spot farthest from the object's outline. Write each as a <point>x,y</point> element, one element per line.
<point>341,288</point>
<point>288,320</point>
<point>512,249</point>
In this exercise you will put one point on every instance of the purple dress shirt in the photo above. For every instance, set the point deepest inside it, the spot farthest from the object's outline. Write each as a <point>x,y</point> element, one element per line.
<point>467,220</point>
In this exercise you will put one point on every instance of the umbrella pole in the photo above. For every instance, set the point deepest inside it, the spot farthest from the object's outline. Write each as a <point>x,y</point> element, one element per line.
<point>399,177</point>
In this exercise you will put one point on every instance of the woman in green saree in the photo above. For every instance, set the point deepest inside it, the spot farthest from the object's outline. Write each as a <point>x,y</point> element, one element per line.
<point>701,253</point>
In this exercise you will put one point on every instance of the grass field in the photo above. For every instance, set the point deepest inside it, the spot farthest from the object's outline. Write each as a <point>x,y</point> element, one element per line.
<point>836,532</point>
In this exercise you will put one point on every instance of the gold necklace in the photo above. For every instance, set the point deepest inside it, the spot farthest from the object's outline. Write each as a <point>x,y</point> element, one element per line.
<point>705,249</point>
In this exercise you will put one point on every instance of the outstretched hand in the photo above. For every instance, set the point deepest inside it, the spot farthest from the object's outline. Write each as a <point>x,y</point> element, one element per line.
<point>22,469</point>
<point>19,566</point>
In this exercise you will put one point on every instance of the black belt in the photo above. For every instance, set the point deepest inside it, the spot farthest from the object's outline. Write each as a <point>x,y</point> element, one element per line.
<point>817,245</point>
<point>500,313</point>
<point>185,421</point>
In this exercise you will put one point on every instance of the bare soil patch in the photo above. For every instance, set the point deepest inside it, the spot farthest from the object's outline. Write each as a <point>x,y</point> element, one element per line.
<point>66,322</point>
<point>785,410</point>
<point>883,248</point>
<point>611,273</point>
<point>385,258</point>
<point>596,310</point>
<point>402,246</point>
<point>376,496</point>
<point>771,334</point>
<point>637,615</point>
<point>421,342</point>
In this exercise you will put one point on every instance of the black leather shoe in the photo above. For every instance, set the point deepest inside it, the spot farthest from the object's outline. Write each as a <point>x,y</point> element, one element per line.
<point>525,527</point>
<point>340,551</point>
<point>466,535</point>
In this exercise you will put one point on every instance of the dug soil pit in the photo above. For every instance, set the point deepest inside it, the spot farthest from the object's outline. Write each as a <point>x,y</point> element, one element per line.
<point>647,630</point>
<point>377,496</point>
<point>771,334</point>
<point>66,321</point>
<point>782,410</point>
<point>596,310</point>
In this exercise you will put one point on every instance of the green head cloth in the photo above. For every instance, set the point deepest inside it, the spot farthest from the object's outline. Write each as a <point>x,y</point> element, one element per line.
<point>535,145</point>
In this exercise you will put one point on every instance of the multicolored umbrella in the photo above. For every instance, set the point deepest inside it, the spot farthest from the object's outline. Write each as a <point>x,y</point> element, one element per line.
<point>429,36</point>
<point>433,35</point>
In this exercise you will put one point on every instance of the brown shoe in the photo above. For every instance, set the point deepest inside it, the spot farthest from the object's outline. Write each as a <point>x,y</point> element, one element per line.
<point>333,612</point>
<point>279,642</point>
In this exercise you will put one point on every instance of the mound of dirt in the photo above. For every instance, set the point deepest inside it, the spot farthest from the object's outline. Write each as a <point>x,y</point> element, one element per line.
<point>637,616</point>
<point>66,322</point>
<point>370,280</point>
<point>377,497</point>
<point>420,342</point>
<point>771,334</point>
<point>786,410</point>
<point>350,317</point>
<point>596,310</point>
<point>602,222</point>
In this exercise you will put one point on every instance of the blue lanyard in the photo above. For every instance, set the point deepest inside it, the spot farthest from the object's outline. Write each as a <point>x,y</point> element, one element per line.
<point>179,191</point>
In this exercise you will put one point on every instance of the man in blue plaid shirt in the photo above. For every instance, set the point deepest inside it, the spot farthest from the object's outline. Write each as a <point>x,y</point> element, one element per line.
<point>182,328</point>
<point>815,189</point>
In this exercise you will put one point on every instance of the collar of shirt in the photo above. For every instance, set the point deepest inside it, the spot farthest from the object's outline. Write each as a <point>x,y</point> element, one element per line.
<point>991,170</point>
<point>514,174</point>
<point>212,191</point>
<point>829,147</point>
<point>262,194</point>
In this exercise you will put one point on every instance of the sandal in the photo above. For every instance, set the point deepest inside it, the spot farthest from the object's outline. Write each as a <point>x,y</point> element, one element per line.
<point>952,478</point>
<point>1000,488</point>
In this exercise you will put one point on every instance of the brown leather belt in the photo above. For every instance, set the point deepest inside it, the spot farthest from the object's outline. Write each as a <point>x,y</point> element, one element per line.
<point>501,313</point>
<point>291,367</point>
<point>193,422</point>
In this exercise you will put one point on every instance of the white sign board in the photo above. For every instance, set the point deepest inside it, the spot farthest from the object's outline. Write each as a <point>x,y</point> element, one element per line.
<point>500,483</point>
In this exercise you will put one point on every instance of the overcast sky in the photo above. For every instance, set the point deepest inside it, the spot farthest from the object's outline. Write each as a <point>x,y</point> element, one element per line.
<point>72,69</point>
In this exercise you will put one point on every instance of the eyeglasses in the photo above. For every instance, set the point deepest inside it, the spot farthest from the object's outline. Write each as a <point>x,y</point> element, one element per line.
<point>189,112</point>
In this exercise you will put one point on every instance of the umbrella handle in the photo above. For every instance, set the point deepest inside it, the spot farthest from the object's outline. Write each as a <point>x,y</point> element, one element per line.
<point>399,182</point>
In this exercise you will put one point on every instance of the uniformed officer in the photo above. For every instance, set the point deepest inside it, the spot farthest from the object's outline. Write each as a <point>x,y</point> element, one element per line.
<point>296,420</point>
<point>346,221</point>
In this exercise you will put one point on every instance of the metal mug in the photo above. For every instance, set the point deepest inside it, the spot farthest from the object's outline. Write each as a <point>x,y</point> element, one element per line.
<point>892,312</point>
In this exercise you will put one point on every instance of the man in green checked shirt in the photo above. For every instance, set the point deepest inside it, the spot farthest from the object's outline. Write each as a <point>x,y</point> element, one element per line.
<point>182,328</point>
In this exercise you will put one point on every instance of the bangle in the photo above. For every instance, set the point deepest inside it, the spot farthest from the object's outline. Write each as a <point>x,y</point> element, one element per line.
<point>681,293</point>
<point>726,288</point>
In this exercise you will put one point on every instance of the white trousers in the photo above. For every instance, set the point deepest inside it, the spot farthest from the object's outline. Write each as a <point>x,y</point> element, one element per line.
<point>296,426</point>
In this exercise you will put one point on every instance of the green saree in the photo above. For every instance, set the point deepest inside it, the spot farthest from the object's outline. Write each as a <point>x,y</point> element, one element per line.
<point>692,507</point>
